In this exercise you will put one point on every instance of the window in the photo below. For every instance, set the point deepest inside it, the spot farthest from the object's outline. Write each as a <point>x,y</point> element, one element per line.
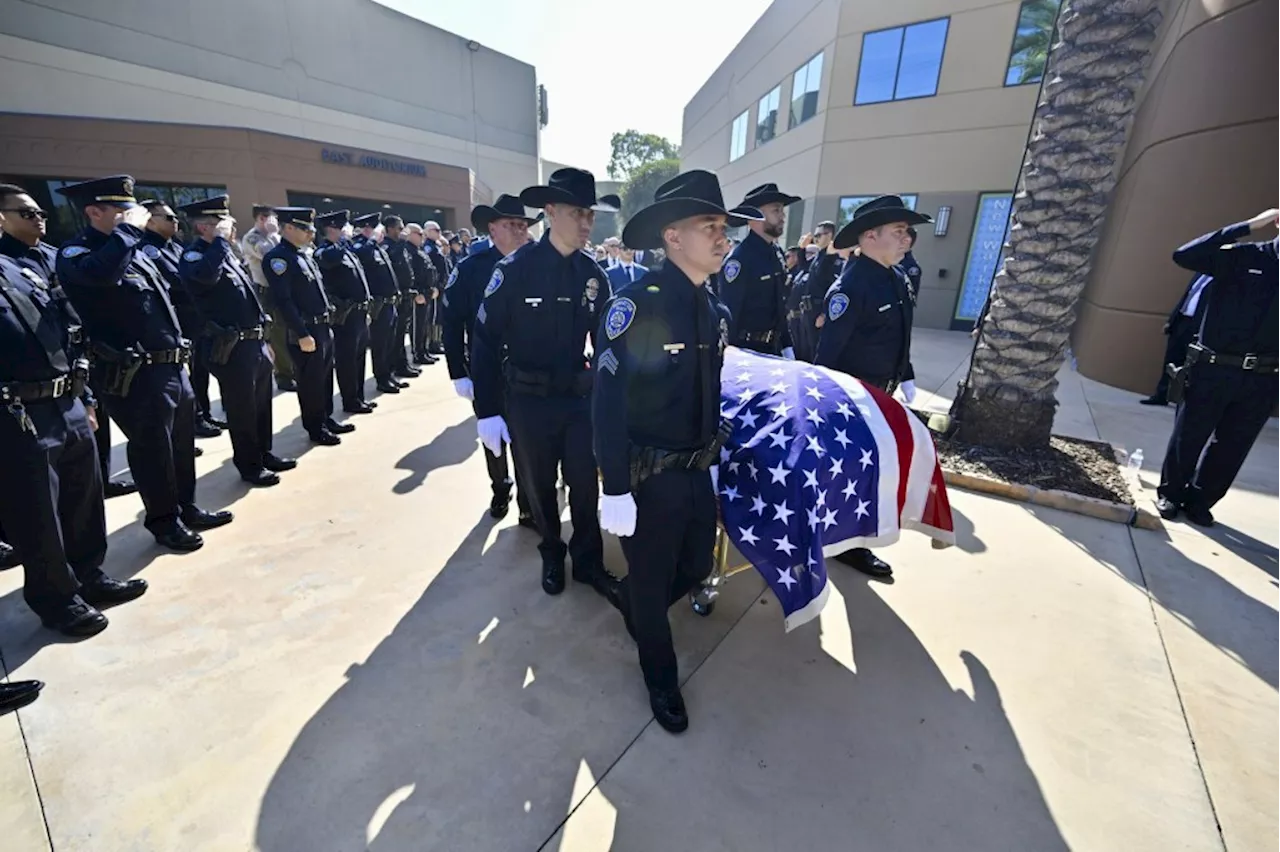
<point>901,63</point>
<point>65,220</point>
<point>738,137</point>
<point>1031,41</point>
<point>804,91</point>
<point>850,203</point>
<point>767,116</point>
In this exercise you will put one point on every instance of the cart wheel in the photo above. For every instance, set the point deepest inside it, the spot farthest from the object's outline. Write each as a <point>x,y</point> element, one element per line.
<point>701,607</point>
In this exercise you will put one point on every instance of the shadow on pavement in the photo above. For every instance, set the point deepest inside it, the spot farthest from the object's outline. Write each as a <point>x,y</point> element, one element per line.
<point>1260,554</point>
<point>450,447</point>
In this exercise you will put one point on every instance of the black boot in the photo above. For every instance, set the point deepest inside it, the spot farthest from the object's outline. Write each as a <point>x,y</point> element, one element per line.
<point>553,574</point>
<point>668,708</point>
<point>500,504</point>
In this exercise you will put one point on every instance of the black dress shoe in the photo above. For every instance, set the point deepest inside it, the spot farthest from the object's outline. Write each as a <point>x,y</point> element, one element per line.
<point>363,408</point>
<point>866,562</point>
<point>421,358</point>
<point>668,708</point>
<point>387,387</point>
<point>527,522</point>
<point>18,694</point>
<point>1199,515</point>
<point>76,619</point>
<point>108,590</point>
<point>552,575</point>
<point>500,504</point>
<point>198,519</point>
<point>599,578</point>
<point>435,349</point>
<point>216,422</point>
<point>118,488</point>
<point>286,385</point>
<point>179,537</point>
<point>261,478</point>
<point>1154,400</point>
<point>278,464</point>
<point>9,557</point>
<point>339,428</point>
<point>400,383</point>
<point>408,372</point>
<point>1167,508</point>
<point>326,439</point>
<point>205,429</point>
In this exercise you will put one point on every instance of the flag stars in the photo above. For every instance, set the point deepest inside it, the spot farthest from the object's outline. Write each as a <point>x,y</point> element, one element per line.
<point>780,411</point>
<point>781,512</point>
<point>850,489</point>
<point>746,395</point>
<point>815,446</point>
<point>811,479</point>
<point>784,545</point>
<point>725,453</point>
<point>748,535</point>
<point>843,408</point>
<point>779,387</point>
<point>815,393</point>
<point>744,377</point>
<point>758,505</point>
<point>842,439</point>
<point>748,419</point>
<point>814,518</point>
<point>751,466</point>
<point>829,519</point>
<point>779,474</point>
<point>837,467</point>
<point>866,461</point>
<point>779,438</point>
<point>777,371</point>
<point>813,416</point>
<point>784,574</point>
<point>731,493</point>
<point>810,375</point>
<point>861,511</point>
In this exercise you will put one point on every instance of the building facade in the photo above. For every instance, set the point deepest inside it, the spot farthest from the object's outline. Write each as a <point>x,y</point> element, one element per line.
<point>838,101</point>
<point>342,104</point>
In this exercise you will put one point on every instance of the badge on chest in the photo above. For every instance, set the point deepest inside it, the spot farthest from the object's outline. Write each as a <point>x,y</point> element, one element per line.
<point>590,294</point>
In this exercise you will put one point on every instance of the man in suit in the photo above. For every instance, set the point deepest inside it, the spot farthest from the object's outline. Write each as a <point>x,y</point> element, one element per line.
<point>1180,329</point>
<point>626,271</point>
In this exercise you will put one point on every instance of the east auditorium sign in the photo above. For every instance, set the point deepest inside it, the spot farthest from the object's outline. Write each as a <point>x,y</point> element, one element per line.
<point>372,161</point>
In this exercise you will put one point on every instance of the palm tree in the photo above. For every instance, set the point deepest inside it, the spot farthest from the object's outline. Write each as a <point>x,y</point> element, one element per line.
<point>1086,107</point>
<point>1031,40</point>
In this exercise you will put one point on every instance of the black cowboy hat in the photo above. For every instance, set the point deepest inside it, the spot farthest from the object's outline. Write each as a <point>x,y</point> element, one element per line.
<point>506,207</point>
<point>692,193</point>
<point>612,199</point>
<point>567,186</point>
<point>767,194</point>
<point>880,211</point>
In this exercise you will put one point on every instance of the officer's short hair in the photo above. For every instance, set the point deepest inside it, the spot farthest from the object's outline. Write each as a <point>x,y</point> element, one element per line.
<point>10,189</point>
<point>826,227</point>
<point>392,222</point>
<point>262,210</point>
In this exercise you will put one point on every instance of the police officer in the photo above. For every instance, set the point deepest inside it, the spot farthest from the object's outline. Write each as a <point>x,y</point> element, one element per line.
<point>428,342</point>
<point>805,303</point>
<point>1180,329</point>
<point>754,279</point>
<point>384,294</point>
<point>138,352</point>
<point>911,268</point>
<point>1230,382</point>
<point>257,241</point>
<point>867,332</point>
<point>23,239</point>
<point>401,252</point>
<point>538,308</point>
<point>428,288</point>
<point>656,408</point>
<point>234,339</point>
<point>297,287</point>
<point>508,229</point>
<point>51,502</point>
<point>349,292</point>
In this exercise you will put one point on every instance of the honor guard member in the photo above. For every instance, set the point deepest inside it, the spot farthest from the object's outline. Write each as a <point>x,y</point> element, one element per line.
<point>426,288</point>
<point>384,294</point>
<point>349,292</point>
<point>233,339</point>
<point>260,239</point>
<point>429,337</point>
<point>809,293</point>
<point>137,355</point>
<point>867,332</point>
<point>539,307</point>
<point>158,245</point>
<point>23,239</point>
<point>656,409</point>
<point>508,229</point>
<point>51,500</point>
<point>753,283</point>
<point>1229,387</point>
<point>401,252</point>
<point>911,268</point>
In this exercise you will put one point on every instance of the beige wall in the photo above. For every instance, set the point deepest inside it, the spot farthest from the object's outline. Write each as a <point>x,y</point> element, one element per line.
<point>1202,154</point>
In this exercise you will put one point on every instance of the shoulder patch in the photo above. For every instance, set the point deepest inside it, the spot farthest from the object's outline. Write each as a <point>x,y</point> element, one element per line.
<point>453,276</point>
<point>839,304</point>
<point>731,270</point>
<point>192,256</point>
<point>494,283</point>
<point>279,265</point>
<point>619,318</point>
<point>74,251</point>
<point>151,251</point>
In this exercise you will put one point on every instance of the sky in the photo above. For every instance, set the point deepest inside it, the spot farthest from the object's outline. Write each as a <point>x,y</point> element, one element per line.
<point>608,65</point>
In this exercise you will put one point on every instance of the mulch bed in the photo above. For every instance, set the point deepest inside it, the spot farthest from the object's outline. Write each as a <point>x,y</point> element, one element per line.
<point>1081,467</point>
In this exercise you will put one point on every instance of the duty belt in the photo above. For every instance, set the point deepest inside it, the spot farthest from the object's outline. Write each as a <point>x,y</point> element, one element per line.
<point>383,301</point>
<point>1198,354</point>
<point>255,333</point>
<point>548,383</point>
<point>144,357</point>
<point>759,336</point>
<point>647,461</point>
<point>68,384</point>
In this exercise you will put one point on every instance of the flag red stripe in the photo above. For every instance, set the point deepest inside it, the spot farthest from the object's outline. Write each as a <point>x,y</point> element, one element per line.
<point>896,416</point>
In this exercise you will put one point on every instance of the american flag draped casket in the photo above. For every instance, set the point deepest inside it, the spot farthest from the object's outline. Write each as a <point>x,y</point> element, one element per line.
<point>819,463</point>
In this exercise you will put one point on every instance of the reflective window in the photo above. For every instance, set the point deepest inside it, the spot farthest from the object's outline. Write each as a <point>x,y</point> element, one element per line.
<point>901,63</point>
<point>804,91</point>
<point>65,220</point>
<point>767,116</point>
<point>738,137</point>
<point>850,203</point>
<point>1031,41</point>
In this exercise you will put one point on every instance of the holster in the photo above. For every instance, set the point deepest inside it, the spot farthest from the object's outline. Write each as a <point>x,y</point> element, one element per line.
<point>646,461</point>
<point>120,367</point>
<point>342,309</point>
<point>1178,374</point>
<point>222,341</point>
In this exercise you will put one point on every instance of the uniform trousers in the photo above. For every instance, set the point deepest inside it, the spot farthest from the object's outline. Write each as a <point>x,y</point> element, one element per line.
<point>550,433</point>
<point>382,342</point>
<point>313,371</point>
<point>246,397</point>
<point>51,502</point>
<point>422,334</point>
<point>1232,406</point>
<point>200,379</point>
<point>1181,333</point>
<point>500,479</point>
<point>669,556</point>
<point>405,325</point>
<point>277,336</point>
<point>158,417</point>
<point>103,438</point>
<point>350,354</point>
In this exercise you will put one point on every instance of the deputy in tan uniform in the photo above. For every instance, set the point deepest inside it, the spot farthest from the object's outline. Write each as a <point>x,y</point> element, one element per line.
<point>262,238</point>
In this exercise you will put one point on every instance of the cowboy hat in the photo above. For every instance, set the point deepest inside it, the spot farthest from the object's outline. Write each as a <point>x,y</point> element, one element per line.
<point>506,207</point>
<point>884,210</point>
<point>567,186</point>
<point>692,193</point>
<point>768,194</point>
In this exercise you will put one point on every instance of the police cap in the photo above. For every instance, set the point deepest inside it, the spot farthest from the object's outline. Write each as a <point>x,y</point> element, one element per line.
<point>116,190</point>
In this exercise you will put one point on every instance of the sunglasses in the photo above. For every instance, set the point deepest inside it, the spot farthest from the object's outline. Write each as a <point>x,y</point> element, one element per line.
<point>27,213</point>
<point>164,216</point>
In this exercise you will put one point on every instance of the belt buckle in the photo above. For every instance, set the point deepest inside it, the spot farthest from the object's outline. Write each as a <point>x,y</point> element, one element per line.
<point>59,386</point>
<point>1249,362</point>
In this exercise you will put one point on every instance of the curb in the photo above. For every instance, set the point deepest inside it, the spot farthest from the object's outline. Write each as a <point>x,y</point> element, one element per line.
<point>1103,510</point>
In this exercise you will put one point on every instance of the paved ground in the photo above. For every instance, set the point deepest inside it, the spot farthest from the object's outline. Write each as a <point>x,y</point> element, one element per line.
<point>365,661</point>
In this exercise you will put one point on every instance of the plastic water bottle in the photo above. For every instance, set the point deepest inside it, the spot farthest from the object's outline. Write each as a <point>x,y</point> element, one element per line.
<point>1135,462</point>
<point>1071,359</point>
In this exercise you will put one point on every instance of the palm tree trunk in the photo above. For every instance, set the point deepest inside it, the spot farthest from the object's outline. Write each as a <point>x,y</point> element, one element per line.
<point>1085,110</point>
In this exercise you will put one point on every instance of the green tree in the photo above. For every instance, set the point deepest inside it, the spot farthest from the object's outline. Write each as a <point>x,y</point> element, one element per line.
<point>638,191</point>
<point>1031,40</point>
<point>1083,116</point>
<point>633,149</point>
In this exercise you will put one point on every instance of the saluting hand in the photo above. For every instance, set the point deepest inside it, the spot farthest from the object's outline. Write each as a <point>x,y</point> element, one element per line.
<point>1266,217</point>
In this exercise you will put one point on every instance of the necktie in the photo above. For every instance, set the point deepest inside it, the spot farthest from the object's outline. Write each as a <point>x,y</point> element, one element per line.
<point>631,274</point>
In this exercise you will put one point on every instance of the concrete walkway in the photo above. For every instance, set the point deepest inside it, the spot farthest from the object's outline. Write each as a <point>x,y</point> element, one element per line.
<point>364,660</point>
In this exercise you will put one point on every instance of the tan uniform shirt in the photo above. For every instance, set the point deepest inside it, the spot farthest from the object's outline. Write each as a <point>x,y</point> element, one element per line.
<point>255,245</point>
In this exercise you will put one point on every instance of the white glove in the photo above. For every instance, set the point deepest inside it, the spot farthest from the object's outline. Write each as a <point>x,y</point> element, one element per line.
<point>137,216</point>
<point>618,514</point>
<point>463,388</point>
<point>789,353</point>
<point>493,433</point>
<point>224,227</point>
<point>908,389</point>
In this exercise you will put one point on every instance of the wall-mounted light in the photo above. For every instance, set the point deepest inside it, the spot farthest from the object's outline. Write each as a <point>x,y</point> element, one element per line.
<point>940,224</point>
<point>473,45</point>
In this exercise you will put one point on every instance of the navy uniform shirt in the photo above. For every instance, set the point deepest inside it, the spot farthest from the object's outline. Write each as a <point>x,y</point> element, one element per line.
<point>660,348</point>
<point>118,291</point>
<point>538,307</point>
<point>753,286</point>
<point>912,270</point>
<point>343,276</point>
<point>222,287</point>
<point>378,269</point>
<point>461,301</point>
<point>867,333</point>
<point>35,319</point>
<point>438,263</point>
<point>43,255</point>
<point>424,273</point>
<point>296,286</point>
<point>1241,315</point>
<point>401,254</point>
<point>167,257</point>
